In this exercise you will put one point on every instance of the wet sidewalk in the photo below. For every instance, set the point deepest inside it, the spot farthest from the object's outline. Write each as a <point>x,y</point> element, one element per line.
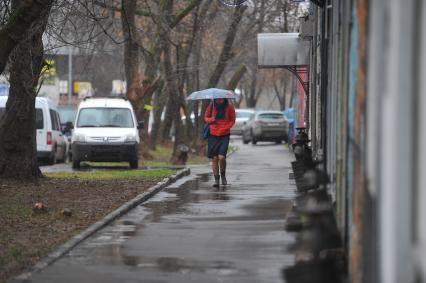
<point>192,232</point>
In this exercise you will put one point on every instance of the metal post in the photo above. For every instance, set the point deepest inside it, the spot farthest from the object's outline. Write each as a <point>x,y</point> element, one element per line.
<point>69,73</point>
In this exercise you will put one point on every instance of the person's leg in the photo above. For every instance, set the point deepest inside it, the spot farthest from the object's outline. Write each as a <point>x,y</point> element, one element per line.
<point>215,165</point>
<point>215,169</point>
<point>223,150</point>
<point>222,164</point>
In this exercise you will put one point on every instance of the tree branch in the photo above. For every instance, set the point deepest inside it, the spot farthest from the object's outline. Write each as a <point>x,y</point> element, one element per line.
<point>235,79</point>
<point>226,52</point>
<point>119,9</point>
<point>182,14</point>
<point>18,26</point>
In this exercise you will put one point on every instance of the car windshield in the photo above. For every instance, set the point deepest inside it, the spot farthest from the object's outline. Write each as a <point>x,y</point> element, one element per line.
<point>39,117</point>
<point>273,116</point>
<point>105,117</point>
<point>243,114</point>
<point>67,114</point>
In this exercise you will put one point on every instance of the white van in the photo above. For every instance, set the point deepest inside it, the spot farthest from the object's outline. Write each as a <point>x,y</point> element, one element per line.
<point>51,145</point>
<point>105,129</point>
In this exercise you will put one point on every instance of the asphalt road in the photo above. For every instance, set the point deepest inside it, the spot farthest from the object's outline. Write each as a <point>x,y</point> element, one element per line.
<point>192,232</point>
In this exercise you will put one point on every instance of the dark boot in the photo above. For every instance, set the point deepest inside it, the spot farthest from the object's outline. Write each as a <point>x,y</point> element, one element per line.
<point>222,164</point>
<point>223,177</point>
<point>216,181</point>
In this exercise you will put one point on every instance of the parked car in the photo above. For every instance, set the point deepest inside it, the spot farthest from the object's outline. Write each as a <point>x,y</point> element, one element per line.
<point>192,117</point>
<point>242,115</point>
<point>105,129</point>
<point>265,126</point>
<point>51,144</point>
<point>67,116</point>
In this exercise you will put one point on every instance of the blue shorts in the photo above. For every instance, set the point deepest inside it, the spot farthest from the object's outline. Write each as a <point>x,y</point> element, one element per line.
<point>217,146</point>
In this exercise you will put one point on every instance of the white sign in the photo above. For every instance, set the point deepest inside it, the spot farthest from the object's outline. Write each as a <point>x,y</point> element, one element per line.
<point>4,90</point>
<point>118,87</point>
<point>63,87</point>
<point>276,50</point>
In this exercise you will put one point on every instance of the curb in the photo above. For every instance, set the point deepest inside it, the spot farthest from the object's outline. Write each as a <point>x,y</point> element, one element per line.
<point>92,229</point>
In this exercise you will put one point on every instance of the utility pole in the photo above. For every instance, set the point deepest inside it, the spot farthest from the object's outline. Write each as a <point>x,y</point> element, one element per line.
<point>69,73</point>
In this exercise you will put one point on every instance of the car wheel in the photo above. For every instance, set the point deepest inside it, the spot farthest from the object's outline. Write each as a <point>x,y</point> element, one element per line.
<point>64,155</point>
<point>52,160</point>
<point>278,141</point>
<point>66,158</point>
<point>286,139</point>
<point>253,139</point>
<point>245,141</point>
<point>134,164</point>
<point>76,164</point>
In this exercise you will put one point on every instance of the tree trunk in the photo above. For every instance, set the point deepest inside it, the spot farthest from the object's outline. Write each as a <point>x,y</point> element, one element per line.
<point>168,118</point>
<point>195,78</point>
<point>279,84</point>
<point>150,80</point>
<point>163,36</point>
<point>131,51</point>
<point>285,88</point>
<point>173,103</point>
<point>236,77</point>
<point>189,125</point>
<point>18,146</point>
<point>138,92</point>
<point>159,103</point>
<point>251,99</point>
<point>226,53</point>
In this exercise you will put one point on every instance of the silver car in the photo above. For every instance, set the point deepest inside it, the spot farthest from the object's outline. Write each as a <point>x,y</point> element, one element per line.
<point>265,126</point>
<point>242,115</point>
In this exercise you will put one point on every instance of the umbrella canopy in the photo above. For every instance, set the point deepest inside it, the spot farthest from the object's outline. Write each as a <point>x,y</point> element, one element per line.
<point>289,114</point>
<point>212,93</point>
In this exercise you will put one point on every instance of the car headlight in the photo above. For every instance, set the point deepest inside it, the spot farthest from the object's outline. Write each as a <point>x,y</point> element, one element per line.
<point>78,138</point>
<point>130,138</point>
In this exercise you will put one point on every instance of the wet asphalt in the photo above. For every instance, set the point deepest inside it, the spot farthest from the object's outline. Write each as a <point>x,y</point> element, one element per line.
<point>192,232</point>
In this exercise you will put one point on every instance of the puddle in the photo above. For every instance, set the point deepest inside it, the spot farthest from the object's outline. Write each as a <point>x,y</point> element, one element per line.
<point>172,264</point>
<point>175,200</point>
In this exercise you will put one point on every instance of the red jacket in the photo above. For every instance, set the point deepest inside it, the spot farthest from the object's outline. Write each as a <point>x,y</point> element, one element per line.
<point>221,127</point>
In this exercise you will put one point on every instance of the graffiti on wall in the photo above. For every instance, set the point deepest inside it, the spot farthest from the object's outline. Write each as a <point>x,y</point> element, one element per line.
<point>356,130</point>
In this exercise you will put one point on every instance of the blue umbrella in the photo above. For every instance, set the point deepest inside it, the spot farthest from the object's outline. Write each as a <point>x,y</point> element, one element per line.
<point>289,114</point>
<point>212,93</point>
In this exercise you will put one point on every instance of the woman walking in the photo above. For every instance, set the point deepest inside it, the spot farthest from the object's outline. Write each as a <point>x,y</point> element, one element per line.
<point>220,115</point>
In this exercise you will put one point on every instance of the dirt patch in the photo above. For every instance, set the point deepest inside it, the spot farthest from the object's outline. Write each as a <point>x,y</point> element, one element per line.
<point>27,235</point>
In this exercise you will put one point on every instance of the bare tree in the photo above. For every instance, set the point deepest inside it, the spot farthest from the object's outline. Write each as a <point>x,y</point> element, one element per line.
<point>224,57</point>
<point>162,21</point>
<point>263,16</point>
<point>188,56</point>
<point>226,53</point>
<point>18,156</point>
<point>282,83</point>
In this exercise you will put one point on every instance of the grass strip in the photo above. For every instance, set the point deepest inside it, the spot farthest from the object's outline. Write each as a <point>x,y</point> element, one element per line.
<point>116,174</point>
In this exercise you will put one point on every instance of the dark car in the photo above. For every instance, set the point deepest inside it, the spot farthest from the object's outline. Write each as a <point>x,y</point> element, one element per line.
<point>266,126</point>
<point>67,116</point>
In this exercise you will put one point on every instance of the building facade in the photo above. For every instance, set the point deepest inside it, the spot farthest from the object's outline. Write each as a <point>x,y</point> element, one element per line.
<point>367,91</point>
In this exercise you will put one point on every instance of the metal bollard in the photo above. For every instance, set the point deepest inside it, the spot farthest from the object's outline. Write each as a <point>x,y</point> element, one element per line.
<point>183,153</point>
